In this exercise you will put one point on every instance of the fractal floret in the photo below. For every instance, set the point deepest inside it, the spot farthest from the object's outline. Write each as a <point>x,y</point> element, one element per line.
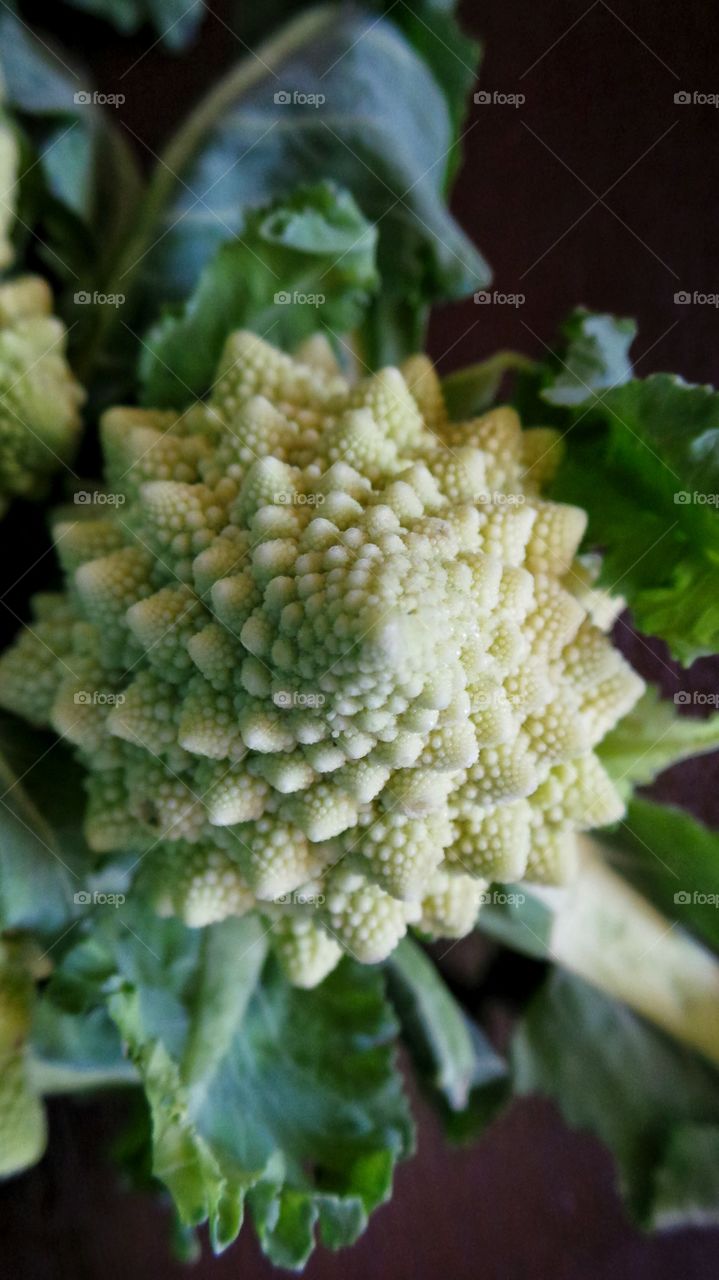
<point>22,1115</point>
<point>39,397</point>
<point>327,655</point>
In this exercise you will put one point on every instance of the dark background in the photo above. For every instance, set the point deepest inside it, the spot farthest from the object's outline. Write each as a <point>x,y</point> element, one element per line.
<point>598,189</point>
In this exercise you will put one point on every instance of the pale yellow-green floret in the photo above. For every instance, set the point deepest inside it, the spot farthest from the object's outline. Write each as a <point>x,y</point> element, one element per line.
<point>39,397</point>
<point>22,1115</point>
<point>333,659</point>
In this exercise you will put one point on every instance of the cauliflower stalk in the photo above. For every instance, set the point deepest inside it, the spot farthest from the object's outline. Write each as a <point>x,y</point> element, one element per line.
<point>39,396</point>
<point>327,655</point>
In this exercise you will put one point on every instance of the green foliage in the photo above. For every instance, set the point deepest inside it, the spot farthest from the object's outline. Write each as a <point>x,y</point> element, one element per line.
<point>641,455</point>
<point>647,1099</point>
<point>381,127</point>
<point>176,21</point>
<point>465,1076</point>
<point>305,261</point>
<point>41,805</point>
<point>78,185</point>
<point>653,736</point>
<point>674,861</point>
<point>288,1100</point>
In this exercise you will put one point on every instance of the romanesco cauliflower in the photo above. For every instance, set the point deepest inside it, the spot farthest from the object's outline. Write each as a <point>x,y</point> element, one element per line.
<point>22,1115</point>
<point>39,397</point>
<point>327,657</point>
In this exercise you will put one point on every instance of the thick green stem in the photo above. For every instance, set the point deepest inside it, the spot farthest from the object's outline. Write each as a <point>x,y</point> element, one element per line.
<point>608,934</point>
<point>603,930</point>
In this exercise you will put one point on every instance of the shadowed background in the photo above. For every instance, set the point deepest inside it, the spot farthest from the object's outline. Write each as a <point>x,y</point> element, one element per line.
<point>599,189</point>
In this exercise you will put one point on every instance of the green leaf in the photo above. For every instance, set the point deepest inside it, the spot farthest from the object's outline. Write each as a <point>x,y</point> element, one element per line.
<point>687,1184</point>
<point>79,188</point>
<point>176,21</point>
<point>652,737</point>
<point>74,1053</point>
<point>454,1057</point>
<point>42,851</point>
<point>304,262</point>
<point>642,457</point>
<point>522,920</point>
<point>475,389</point>
<point>674,861</point>
<point>287,1098</point>
<point>645,1097</point>
<point>433,30</point>
<point>597,357</point>
<point>381,128</point>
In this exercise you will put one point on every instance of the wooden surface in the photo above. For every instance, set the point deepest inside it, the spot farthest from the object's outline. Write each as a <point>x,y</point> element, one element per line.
<point>532,1201</point>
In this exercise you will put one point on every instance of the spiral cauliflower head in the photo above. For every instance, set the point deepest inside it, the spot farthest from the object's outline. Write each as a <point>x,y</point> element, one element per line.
<point>327,655</point>
<point>39,397</point>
